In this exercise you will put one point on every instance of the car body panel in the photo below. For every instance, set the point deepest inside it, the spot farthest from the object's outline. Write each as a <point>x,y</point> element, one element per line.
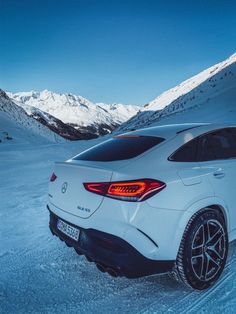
<point>222,176</point>
<point>68,192</point>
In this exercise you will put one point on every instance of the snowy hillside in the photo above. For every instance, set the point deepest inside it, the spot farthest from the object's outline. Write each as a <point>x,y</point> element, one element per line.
<point>209,96</point>
<point>16,125</point>
<point>98,119</point>
<point>56,125</point>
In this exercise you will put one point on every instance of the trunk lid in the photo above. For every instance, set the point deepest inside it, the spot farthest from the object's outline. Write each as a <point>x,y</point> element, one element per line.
<point>67,192</point>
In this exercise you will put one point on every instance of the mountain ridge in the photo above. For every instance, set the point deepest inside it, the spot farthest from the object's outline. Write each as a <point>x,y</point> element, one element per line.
<point>197,94</point>
<point>16,124</point>
<point>77,111</point>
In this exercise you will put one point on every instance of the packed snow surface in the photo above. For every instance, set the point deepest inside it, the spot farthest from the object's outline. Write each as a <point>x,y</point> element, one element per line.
<point>39,274</point>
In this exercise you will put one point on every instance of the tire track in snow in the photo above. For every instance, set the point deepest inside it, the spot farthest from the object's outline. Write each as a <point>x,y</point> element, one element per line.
<point>200,298</point>
<point>131,295</point>
<point>194,301</point>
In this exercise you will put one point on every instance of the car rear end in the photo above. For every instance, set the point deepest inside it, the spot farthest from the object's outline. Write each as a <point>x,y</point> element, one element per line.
<point>101,203</point>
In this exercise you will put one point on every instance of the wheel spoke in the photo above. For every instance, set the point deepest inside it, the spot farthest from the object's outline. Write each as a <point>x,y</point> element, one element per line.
<point>212,252</point>
<point>216,237</point>
<point>197,256</point>
<point>197,250</point>
<point>206,232</point>
<point>213,260</point>
<point>205,266</point>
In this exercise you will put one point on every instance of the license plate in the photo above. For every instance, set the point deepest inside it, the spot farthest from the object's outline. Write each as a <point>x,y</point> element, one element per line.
<point>67,229</point>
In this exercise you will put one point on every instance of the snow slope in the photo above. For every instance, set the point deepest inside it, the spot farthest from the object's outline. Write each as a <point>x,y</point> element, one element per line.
<point>16,125</point>
<point>209,96</point>
<point>77,111</point>
<point>56,125</point>
<point>39,121</point>
<point>39,274</point>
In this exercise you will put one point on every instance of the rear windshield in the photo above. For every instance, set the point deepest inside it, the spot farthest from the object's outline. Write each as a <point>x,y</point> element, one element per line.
<point>120,148</point>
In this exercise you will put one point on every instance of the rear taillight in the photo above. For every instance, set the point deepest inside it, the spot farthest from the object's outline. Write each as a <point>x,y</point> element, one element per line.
<point>53,177</point>
<point>132,191</point>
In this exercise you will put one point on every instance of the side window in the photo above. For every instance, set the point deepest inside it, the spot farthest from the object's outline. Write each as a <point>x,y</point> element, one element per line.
<point>231,134</point>
<point>217,145</point>
<point>186,153</point>
<point>205,149</point>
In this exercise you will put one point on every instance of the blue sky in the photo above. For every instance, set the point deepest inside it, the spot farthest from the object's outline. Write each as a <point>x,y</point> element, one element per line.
<point>111,51</point>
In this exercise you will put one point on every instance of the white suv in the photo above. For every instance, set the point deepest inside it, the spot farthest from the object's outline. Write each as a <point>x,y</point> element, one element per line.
<point>155,200</point>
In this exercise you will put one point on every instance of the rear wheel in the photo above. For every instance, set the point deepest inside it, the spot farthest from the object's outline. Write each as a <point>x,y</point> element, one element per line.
<point>203,250</point>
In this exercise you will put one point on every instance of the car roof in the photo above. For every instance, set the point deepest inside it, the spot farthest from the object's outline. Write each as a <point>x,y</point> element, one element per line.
<point>170,130</point>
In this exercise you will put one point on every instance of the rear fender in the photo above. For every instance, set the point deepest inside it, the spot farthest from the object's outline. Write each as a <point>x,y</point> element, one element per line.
<point>194,208</point>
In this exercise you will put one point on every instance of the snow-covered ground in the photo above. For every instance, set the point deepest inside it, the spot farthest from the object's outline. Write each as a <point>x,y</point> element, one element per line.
<point>39,274</point>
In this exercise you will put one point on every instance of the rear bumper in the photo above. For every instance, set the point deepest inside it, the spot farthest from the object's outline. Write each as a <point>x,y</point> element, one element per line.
<point>111,253</point>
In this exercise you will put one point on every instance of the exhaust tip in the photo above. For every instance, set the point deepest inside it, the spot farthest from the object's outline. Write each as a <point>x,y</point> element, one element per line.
<point>101,268</point>
<point>78,251</point>
<point>67,244</point>
<point>89,259</point>
<point>112,272</point>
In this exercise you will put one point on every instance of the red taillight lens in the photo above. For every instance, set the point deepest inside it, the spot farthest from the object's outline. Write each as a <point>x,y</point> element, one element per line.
<point>133,191</point>
<point>99,188</point>
<point>127,188</point>
<point>53,177</point>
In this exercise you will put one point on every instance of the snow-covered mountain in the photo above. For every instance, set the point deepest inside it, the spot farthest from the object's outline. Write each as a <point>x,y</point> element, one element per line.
<point>17,125</point>
<point>209,96</point>
<point>97,119</point>
<point>56,125</point>
<point>35,122</point>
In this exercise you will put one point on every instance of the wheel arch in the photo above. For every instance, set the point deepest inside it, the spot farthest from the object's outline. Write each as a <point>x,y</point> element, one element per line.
<point>201,205</point>
<point>223,212</point>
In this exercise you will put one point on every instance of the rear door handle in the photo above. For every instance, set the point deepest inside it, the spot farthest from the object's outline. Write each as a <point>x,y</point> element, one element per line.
<point>219,175</point>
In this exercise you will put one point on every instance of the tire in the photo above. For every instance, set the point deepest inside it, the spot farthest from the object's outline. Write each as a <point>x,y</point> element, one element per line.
<point>203,250</point>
